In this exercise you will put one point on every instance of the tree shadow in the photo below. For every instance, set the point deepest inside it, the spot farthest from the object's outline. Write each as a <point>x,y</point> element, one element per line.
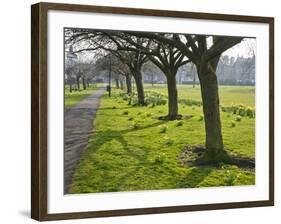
<point>194,177</point>
<point>198,156</point>
<point>99,138</point>
<point>118,134</point>
<point>111,108</point>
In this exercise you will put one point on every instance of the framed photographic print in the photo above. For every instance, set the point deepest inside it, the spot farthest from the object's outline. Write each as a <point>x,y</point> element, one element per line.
<point>139,111</point>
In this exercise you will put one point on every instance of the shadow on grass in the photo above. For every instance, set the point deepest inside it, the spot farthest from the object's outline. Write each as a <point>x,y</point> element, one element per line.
<point>126,179</point>
<point>100,136</point>
<point>194,177</point>
<point>198,155</point>
<point>113,108</point>
<point>138,154</point>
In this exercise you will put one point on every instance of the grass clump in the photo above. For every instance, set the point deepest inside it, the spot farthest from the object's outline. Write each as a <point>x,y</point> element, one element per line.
<point>231,177</point>
<point>238,118</point>
<point>201,118</point>
<point>190,102</point>
<point>179,123</point>
<point>159,159</point>
<point>148,114</point>
<point>240,109</point>
<point>136,125</point>
<point>163,129</point>
<point>126,112</point>
<point>167,140</point>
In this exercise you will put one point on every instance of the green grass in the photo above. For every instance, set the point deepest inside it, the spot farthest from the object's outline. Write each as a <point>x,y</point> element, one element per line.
<point>132,150</point>
<point>72,98</point>
<point>228,94</point>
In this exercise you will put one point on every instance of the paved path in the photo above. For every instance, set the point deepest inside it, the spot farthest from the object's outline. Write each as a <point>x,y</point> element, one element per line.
<point>78,125</point>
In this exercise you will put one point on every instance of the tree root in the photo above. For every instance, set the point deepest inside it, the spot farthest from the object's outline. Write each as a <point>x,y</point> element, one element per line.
<point>170,118</point>
<point>197,155</point>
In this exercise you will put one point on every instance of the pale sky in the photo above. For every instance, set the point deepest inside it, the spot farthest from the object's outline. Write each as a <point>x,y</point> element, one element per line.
<point>247,48</point>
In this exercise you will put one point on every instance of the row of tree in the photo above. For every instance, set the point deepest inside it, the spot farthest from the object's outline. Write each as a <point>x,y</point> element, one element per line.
<point>129,51</point>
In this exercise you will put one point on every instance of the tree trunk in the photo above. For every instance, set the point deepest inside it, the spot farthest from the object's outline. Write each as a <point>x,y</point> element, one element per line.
<point>121,84</point>
<point>78,82</point>
<point>172,96</point>
<point>84,83</point>
<point>210,98</point>
<point>117,83</point>
<point>139,85</point>
<point>129,83</point>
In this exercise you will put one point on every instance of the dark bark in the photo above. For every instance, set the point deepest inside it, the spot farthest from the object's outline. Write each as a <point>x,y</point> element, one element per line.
<point>129,83</point>
<point>139,84</point>
<point>121,84</point>
<point>172,96</point>
<point>211,110</point>
<point>117,83</point>
<point>78,82</point>
<point>84,83</point>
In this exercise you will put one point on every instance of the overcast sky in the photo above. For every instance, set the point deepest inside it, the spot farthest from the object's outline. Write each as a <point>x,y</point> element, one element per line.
<point>247,48</point>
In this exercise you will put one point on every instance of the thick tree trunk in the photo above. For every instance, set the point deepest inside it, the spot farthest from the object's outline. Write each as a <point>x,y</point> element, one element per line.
<point>172,96</point>
<point>121,84</point>
<point>129,83</point>
<point>78,82</point>
<point>84,83</point>
<point>117,83</point>
<point>139,85</point>
<point>210,98</point>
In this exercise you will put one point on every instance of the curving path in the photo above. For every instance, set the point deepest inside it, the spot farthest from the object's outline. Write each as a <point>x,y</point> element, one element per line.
<point>78,125</point>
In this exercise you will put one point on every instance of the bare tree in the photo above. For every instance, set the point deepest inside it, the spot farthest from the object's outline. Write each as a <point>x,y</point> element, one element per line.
<point>90,40</point>
<point>204,51</point>
<point>166,57</point>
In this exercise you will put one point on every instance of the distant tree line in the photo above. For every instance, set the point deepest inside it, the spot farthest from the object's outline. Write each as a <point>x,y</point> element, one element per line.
<point>230,71</point>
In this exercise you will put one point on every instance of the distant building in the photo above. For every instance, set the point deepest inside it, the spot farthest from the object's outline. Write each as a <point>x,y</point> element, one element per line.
<point>236,72</point>
<point>230,71</point>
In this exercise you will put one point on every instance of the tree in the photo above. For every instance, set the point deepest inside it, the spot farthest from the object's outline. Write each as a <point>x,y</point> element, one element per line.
<point>91,40</point>
<point>150,70</point>
<point>133,59</point>
<point>166,57</point>
<point>204,51</point>
<point>70,61</point>
<point>169,59</point>
<point>124,71</point>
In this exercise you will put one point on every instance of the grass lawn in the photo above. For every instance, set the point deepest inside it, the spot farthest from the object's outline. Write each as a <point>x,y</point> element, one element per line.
<point>132,150</point>
<point>228,94</point>
<point>72,98</point>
